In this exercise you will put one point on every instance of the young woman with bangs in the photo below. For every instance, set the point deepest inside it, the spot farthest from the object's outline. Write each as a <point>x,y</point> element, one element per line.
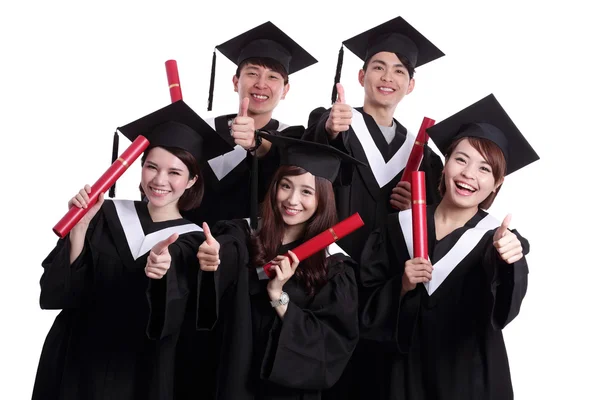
<point>442,318</point>
<point>290,336</point>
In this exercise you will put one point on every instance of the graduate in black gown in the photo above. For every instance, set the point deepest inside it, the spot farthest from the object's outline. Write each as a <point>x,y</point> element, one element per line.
<point>442,318</point>
<point>391,52</point>
<point>265,57</point>
<point>98,274</point>
<point>288,337</point>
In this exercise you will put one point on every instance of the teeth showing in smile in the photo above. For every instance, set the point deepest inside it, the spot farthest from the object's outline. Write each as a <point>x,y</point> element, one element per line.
<point>464,186</point>
<point>158,191</point>
<point>260,96</point>
<point>291,210</point>
<point>386,89</point>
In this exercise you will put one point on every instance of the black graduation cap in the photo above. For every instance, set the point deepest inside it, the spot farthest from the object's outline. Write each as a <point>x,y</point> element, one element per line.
<point>177,125</point>
<point>263,41</point>
<point>486,119</point>
<point>318,159</point>
<point>395,36</point>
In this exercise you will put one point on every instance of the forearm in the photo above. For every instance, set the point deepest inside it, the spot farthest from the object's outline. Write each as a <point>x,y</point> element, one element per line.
<point>77,239</point>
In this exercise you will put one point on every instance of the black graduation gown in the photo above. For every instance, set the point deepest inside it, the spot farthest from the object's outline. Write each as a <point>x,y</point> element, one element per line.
<point>367,189</point>
<point>97,347</point>
<point>263,356</point>
<point>227,178</point>
<point>447,344</point>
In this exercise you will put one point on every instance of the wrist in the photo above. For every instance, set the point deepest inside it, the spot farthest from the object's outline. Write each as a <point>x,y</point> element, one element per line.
<point>257,142</point>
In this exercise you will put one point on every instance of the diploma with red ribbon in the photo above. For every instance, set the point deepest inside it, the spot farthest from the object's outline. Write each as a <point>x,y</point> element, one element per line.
<point>114,172</point>
<point>416,153</point>
<point>173,79</point>
<point>322,240</point>
<point>419,214</point>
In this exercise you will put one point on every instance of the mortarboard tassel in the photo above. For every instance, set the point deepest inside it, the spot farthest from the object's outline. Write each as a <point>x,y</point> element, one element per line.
<point>338,74</point>
<point>211,87</point>
<point>115,154</point>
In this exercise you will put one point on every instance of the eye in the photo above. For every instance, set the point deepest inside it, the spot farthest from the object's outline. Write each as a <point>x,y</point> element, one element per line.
<point>460,160</point>
<point>485,169</point>
<point>307,192</point>
<point>284,185</point>
<point>400,71</point>
<point>274,77</point>
<point>251,73</point>
<point>150,166</point>
<point>174,173</point>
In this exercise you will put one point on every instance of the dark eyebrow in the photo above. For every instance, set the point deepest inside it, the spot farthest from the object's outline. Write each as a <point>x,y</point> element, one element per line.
<point>290,182</point>
<point>385,64</point>
<point>170,169</point>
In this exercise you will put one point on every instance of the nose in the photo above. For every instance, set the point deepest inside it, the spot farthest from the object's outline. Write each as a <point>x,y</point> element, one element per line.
<point>294,198</point>
<point>160,178</point>
<point>387,76</point>
<point>261,82</point>
<point>468,171</point>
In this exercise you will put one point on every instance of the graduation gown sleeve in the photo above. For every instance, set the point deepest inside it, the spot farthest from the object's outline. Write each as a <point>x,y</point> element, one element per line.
<point>213,286</point>
<point>168,296</point>
<point>64,285</point>
<point>310,347</point>
<point>508,284</point>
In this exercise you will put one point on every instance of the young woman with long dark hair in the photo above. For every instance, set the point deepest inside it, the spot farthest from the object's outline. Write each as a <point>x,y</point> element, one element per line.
<point>290,336</point>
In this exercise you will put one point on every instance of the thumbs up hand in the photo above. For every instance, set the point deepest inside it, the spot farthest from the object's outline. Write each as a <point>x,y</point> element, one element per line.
<point>208,252</point>
<point>242,128</point>
<point>159,259</point>
<point>340,116</point>
<point>507,244</point>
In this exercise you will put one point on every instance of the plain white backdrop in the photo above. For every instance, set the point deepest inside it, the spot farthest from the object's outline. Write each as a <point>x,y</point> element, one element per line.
<point>72,72</point>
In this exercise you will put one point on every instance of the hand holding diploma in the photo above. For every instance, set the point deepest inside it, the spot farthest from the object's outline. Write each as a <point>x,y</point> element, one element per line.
<point>114,172</point>
<point>322,240</point>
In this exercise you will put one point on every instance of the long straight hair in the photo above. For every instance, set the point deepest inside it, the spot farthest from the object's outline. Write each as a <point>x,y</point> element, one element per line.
<point>312,272</point>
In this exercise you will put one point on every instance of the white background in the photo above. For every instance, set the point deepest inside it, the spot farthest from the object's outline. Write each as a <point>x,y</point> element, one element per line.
<point>72,72</point>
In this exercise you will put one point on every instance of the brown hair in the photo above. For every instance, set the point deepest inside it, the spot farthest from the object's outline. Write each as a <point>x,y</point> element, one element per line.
<point>312,272</point>
<point>492,155</point>
<point>192,197</point>
<point>403,60</point>
<point>268,63</point>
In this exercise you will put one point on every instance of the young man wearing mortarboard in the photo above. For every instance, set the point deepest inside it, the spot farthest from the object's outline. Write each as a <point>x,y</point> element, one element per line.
<point>265,56</point>
<point>391,52</point>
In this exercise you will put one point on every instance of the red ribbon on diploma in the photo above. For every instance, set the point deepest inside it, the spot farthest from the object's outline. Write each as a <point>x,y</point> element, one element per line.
<point>416,153</point>
<point>173,79</point>
<point>419,214</point>
<point>114,172</point>
<point>322,240</point>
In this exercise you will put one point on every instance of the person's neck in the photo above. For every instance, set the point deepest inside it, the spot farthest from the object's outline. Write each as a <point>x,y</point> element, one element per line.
<point>260,120</point>
<point>165,213</point>
<point>292,233</point>
<point>449,217</point>
<point>383,116</point>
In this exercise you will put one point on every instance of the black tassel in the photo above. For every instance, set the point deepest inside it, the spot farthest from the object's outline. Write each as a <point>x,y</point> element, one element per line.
<point>254,193</point>
<point>211,87</point>
<point>338,74</point>
<point>115,154</point>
